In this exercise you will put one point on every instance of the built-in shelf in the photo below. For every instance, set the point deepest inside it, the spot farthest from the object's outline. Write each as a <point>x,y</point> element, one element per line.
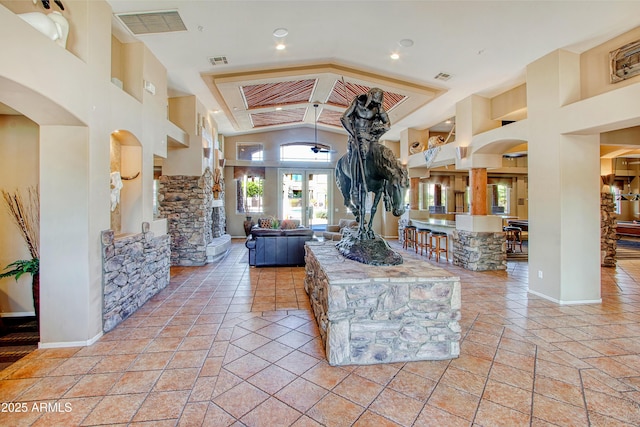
<point>176,137</point>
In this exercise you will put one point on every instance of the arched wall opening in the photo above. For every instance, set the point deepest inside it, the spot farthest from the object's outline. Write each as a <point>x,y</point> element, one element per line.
<point>19,171</point>
<point>69,309</point>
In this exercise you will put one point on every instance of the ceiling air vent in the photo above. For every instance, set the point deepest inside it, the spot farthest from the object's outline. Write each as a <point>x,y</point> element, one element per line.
<point>442,76</point>
<point>165,21</point>
<point>218,60</point>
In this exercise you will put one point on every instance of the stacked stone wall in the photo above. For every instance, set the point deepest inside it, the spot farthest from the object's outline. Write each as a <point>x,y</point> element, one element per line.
<point>608,236</point>
<point>219,221</point>
<point>382,314</point>
<point>187,204</point>
<point>480,251</point>
<point>134,268</point>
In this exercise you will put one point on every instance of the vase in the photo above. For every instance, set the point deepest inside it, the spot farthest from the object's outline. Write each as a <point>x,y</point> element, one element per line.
<point>248,225</point>
<point>35,289</point>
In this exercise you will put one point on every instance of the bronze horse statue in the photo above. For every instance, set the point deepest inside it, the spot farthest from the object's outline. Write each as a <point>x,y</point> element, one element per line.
<point>385,177</point>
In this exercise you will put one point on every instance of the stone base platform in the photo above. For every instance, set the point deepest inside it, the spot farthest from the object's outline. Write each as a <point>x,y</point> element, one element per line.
<point>218,247</point>
<point>382,314</point>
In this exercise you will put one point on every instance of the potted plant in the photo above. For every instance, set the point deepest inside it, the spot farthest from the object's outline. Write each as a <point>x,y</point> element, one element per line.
<point>26,216</point>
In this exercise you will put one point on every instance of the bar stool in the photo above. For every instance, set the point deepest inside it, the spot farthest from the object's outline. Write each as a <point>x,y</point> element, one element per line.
<point>514,238</point>
<point>409,237</point>
<point>436,240</point>
<point>422,240</point>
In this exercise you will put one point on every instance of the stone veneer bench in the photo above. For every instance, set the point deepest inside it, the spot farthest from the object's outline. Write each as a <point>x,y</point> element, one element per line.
<point>369,314</point>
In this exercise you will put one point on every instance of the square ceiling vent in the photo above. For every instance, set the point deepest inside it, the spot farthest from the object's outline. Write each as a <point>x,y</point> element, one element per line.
<point>164,21</point>
<point>443,76</point>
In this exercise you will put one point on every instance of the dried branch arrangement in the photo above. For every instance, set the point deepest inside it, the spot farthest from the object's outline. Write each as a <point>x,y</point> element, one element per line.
<point>25,213</point>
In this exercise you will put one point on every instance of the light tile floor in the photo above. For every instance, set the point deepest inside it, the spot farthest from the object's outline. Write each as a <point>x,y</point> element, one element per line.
<point>226,344</point>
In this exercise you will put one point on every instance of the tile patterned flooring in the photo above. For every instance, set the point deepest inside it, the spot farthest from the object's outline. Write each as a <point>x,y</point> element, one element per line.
<point>229,345</point>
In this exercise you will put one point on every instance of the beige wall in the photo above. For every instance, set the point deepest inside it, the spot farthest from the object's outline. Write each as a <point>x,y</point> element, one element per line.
<point>77,108</point>
<point>510,105</point>
<point>185,112</point>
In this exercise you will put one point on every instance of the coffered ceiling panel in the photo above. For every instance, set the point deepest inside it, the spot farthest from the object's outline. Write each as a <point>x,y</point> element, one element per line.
<point>330,118</point>
<point>272,118</point>
<point>277,94</point>
<point>284,97</point>
<point>343,93</point>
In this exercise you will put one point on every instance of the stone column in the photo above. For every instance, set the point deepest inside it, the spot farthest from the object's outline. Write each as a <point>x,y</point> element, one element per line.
<point>187,203</point>
<point>608,240</point>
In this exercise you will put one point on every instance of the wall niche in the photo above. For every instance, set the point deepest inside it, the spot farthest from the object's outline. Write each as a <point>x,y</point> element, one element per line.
<point>126,182</point>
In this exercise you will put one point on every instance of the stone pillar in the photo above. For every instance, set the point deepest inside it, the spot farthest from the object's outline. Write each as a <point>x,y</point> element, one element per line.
<point>478,188</point>
<point>479,251</point>
<point>187,203</point>
<point>608,236</point>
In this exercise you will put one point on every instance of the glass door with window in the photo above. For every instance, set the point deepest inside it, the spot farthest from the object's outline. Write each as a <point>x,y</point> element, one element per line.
<point>306,197</point>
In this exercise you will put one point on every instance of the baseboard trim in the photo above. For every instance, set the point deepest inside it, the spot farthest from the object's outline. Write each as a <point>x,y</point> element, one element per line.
<point>19,314</point>
<point>562,302</point>
<point>70,343</point>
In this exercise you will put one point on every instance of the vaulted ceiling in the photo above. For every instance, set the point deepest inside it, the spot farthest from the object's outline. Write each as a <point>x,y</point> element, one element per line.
<point>227,55</point>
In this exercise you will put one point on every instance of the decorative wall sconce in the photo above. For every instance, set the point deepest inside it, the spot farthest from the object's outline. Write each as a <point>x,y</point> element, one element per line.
<point>206,152</point>
<point>222,162</point>
<point>149,87</point>
<point>461,153</point>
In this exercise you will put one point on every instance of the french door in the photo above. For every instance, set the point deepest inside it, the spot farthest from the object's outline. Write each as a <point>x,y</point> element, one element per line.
<point>306,195</point>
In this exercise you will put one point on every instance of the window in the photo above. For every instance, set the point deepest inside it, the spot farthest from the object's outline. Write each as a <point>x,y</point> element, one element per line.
<point>432,197</point>
<point>249,188</point>
<point>500,199</point>
<point>305,152</point>
<point>249,151</point>
<point>617,197</point>
<point>250,192</point>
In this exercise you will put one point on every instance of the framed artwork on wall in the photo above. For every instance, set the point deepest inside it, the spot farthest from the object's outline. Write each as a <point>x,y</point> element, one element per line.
<point>624,62</point>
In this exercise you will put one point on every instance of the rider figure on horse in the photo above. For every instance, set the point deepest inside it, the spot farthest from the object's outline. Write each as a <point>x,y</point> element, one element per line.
<point>365,120</point>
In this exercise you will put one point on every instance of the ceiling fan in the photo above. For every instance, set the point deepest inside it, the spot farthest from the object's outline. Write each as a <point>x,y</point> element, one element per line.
<point>318,148</point>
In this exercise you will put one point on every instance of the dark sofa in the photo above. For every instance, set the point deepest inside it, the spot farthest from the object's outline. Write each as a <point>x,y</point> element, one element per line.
<point>275,247</point>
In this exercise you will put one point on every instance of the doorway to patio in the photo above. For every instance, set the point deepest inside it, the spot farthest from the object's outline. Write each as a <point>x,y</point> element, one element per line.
<point>306,195</point>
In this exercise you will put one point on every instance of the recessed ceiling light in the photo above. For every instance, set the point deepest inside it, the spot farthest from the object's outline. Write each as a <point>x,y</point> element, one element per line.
<point>278,108</point>
<point>394,55</point>
<point>281,46</point>
<point>280,32</point>
<point>406,42</point>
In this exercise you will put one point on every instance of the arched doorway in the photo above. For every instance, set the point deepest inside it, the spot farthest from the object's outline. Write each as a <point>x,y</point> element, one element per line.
<point>67,294</point>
